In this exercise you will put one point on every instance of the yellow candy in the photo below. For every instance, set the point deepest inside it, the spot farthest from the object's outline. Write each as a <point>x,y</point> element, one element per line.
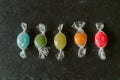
<point>60,41</point>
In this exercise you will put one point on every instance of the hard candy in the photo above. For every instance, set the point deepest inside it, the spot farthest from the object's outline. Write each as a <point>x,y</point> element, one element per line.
<point>60,40</point>
<point>101,39</point>
<point>40,41</point>
<point>80,38</point>
<point>23,40</point>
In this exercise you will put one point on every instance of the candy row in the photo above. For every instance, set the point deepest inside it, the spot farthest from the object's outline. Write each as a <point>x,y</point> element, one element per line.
<point>80,39</point>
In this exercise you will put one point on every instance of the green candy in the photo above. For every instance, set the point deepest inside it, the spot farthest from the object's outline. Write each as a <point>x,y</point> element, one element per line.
<point>40,41</point>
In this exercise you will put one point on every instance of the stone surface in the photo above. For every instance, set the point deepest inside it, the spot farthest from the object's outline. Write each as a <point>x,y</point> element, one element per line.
<point>52,13</point>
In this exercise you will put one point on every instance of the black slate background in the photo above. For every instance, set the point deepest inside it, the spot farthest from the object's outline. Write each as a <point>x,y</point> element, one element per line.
<point>52,13</point>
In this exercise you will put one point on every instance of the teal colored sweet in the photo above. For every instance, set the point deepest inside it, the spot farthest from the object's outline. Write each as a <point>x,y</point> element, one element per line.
<point>23,40</point>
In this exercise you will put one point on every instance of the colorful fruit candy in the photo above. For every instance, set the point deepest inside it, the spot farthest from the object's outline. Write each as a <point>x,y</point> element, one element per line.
<point>23,40</point>
<point>80,37</point>
<point>101,40</point>
<point>40,42</point>
<point>60,42</point>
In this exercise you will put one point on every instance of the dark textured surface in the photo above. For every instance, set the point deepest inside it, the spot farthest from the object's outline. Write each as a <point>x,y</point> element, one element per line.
<point>52,13</point>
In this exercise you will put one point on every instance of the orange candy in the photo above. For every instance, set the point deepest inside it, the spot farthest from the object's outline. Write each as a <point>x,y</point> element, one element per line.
<point>80,38</point>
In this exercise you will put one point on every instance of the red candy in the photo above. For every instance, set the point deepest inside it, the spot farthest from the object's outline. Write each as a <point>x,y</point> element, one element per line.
<point>101,39</point>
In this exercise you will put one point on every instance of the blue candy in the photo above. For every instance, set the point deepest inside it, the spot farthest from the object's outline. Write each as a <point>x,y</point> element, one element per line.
<point>23,40</point>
